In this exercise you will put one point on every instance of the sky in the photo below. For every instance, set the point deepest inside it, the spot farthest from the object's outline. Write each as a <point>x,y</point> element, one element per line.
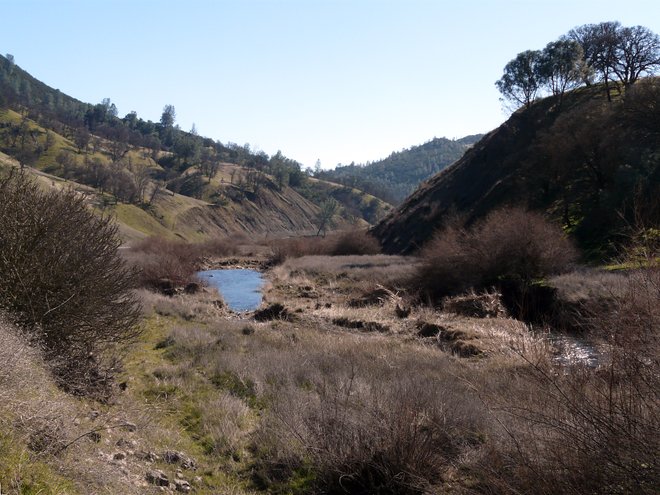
<point>338,81</point>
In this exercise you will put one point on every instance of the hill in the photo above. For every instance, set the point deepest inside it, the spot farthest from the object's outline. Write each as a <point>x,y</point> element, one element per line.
<point>589,163</point>
<point>397,176</point>
<point>160,180</point>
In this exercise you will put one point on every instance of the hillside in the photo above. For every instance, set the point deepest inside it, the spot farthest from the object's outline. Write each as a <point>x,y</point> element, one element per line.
<point>160,180</point>
<point>588,163</point>
<point>397,176</point>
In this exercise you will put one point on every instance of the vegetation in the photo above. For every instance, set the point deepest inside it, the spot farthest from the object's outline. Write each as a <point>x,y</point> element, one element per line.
<point>397,176</point>
<point>589,164</point>
<point>363,372</point>
<point>64,282</point>
<point>592,52</point>
<point>510,246</point>
<point>139,163</point>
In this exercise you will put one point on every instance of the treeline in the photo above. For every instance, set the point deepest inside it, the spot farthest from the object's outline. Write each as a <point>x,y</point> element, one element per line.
<point>607,53</point>
<point>397,176</point>
<point>107,145</point>
<point>88,125</point>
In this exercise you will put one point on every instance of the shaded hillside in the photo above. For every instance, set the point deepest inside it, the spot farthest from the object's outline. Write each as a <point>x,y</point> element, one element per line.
<point>398,175</point>
<point>591,164</point>
<point>160,180</point>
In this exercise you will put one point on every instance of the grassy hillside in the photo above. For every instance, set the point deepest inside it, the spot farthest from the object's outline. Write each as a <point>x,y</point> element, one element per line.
<point>159,180</point>
<point>395,177</point>
<point>590,164</point>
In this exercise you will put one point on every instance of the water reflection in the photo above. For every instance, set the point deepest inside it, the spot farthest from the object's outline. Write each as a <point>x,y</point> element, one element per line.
<point>240,288</point>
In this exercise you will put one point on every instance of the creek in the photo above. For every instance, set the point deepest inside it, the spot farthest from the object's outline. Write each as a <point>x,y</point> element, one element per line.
<point>572,350</point>
<point>240,287</point>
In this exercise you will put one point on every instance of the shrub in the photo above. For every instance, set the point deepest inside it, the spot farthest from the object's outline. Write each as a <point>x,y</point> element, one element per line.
<point>160,261</point>
<point>509,245</point>
<point>354,242</point>
<point>61,279</point>
<point>363,428</point>
<point>593,429</point>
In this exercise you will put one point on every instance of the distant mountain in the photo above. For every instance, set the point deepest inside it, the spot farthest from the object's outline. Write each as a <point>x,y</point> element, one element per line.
<point>159,179</point>
<point>590,164</point>
<point>398,175</point>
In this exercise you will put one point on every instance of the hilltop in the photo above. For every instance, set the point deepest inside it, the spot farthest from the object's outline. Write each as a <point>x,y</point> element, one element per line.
<point>397,176</point>
<point>588,163</point>
<point>160,180</point>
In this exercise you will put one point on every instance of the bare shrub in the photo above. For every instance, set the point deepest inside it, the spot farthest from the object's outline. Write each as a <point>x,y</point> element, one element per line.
<point>355,242</point>
<point>367,428</point>
<point>511,244</point>
<point>63,280</point>
<point>222,246</point>
<point>160,261</point>
<point>590,430</point>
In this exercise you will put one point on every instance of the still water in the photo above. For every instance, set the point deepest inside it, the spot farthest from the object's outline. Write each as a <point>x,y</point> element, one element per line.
<point>240,288</point>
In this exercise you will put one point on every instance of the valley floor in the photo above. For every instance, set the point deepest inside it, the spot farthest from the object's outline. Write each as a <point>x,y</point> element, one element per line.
<point>337,382</point>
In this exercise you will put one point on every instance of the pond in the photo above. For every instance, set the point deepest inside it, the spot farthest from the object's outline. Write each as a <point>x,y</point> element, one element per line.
<point>240,288</point>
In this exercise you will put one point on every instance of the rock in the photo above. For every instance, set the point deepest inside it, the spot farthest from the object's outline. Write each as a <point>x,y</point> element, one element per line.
<point>94,436</point>
<point>122,442</point>
<point>174,457</point>
<point>182,486</point>
<point>157,478</point>
<point>119,456</point>
<point>148,456</point>
<point>198,480</point>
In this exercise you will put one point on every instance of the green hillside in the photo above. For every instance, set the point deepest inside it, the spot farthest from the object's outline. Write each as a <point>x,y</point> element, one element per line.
<point>160,180</point>
<point>397,176</point>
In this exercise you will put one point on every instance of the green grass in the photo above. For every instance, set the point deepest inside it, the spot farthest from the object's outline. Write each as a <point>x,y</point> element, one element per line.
<point>22,474</point>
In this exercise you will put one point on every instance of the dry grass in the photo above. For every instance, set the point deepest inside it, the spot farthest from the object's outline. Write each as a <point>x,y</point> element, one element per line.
<point>327,401</point>
<point>585,429</point>
<point>375,269</point>
<point>45,434</point>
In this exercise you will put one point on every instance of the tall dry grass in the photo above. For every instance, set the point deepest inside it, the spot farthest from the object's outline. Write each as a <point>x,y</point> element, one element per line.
<point>583,429</point>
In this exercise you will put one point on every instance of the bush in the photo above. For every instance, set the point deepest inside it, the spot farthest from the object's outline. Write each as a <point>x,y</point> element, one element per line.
<point>510,245</point>
<point>160,261</point>
<point>593,429</point>
<point>354,242</point>
<point>363,428</point>
<point>62,280</point>
<point>164,264</point>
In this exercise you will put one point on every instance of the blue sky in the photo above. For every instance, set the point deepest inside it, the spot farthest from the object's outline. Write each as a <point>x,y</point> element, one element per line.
<point>335,80</point>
